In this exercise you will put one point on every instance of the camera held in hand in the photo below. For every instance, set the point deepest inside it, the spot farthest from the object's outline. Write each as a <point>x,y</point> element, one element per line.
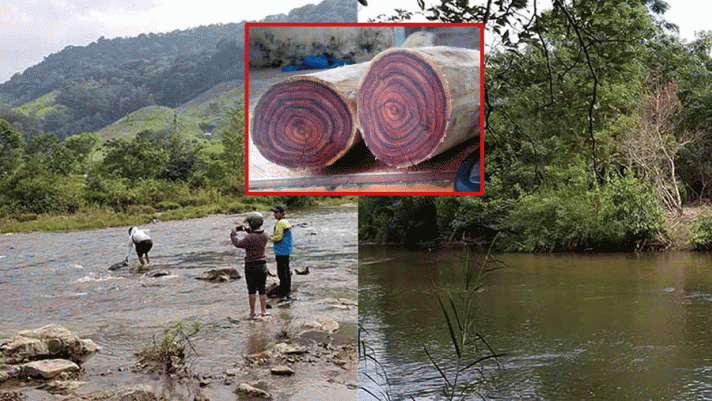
<point>244,228</point>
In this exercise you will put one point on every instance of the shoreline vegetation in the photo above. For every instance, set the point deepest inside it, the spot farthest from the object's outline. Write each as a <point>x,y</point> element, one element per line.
<point>564,226</point>
<point>96,218</point>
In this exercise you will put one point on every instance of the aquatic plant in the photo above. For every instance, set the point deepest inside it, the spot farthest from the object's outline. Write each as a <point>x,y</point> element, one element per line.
<point>170,354</point>
<point>472,350</point>
<point>368,362</point>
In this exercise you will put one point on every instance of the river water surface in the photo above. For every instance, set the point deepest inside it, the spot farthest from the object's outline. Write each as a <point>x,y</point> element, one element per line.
<point>593,327</point>
<point>63,278</point>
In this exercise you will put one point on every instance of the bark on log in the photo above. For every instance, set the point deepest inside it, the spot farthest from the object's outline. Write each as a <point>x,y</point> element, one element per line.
<point>416,103</point>
<point>309,121</point>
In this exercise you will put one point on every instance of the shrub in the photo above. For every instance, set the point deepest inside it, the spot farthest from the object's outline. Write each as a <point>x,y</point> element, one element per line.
<point>702,233</point>
<point>170,353</point>
<point>629,214</point>
<point>168,205</point>
<point>621,215</point>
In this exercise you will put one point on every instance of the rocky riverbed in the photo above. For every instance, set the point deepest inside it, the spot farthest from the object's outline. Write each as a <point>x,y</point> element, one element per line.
<point>305,350</point>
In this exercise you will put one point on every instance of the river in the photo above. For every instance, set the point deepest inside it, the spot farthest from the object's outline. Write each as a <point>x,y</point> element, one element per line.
<point>63,278</point>
<point>615,326</point>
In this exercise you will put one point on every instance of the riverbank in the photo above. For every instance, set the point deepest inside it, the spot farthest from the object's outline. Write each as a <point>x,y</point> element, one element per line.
<point>104,218</point>
<point>679,228</point>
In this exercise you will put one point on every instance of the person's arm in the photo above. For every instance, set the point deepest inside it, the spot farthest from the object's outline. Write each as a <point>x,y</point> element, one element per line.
<point>239,243</point>
<point>279,230</point>
<point>131,245</point>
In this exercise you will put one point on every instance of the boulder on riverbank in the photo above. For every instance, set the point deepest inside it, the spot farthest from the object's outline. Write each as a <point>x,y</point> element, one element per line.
<point>44,353</point>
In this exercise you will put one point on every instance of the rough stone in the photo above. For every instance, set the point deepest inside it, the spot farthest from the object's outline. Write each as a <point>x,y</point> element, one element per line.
<point>324,324</point>
<point>50,341</point>
<point>220,275</point>
<point>48,368</point>
<point>8,372</point>
<point>282,371</point>
<point>252,391</point>
<point>62,386</point>
<point>232,372</point>
<point>290,349</point>
<point>13,395</point>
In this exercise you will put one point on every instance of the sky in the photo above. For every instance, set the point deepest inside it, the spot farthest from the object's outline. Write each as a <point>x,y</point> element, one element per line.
<point>33,29</point>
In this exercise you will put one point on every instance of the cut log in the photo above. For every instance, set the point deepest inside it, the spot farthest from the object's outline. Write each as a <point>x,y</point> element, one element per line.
<point>421,39</point>
<point>309,121</point>
<point>416,103</point>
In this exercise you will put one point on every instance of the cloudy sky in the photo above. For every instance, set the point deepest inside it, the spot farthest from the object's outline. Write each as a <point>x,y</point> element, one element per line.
<point>33,29</point>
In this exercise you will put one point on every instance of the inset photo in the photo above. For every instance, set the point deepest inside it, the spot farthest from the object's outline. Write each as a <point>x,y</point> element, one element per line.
<point>371,108</point>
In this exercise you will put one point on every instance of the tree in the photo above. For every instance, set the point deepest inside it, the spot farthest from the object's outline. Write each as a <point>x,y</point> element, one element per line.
<point>138,159</point>
<point>11,149</point>
<point>45,153</point>
<point>233,139</point>
<point>652,146</point>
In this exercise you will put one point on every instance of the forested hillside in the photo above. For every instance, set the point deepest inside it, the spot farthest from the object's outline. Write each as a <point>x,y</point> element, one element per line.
<point>96,85</point>
<point>132,129</point>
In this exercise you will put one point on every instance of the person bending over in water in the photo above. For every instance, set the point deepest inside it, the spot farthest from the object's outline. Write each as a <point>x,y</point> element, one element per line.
<point>254,244</point>
<point>143,244</point>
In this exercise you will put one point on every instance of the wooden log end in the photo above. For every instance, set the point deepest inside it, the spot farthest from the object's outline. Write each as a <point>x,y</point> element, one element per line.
<point>303,123</point>
<point>403,107</point>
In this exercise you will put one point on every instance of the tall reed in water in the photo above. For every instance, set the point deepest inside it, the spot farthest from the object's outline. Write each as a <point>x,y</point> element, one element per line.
<point>459,307</point>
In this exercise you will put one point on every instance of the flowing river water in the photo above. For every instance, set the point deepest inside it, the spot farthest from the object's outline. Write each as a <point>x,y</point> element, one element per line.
<point>572,327</point>
<point>63,278</point>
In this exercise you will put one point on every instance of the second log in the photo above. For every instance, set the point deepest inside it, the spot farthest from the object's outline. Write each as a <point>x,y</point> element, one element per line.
<point>414,103</point>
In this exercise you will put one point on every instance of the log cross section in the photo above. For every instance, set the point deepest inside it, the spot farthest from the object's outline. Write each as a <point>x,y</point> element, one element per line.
<point>309,121</point>
<point>415,103</point>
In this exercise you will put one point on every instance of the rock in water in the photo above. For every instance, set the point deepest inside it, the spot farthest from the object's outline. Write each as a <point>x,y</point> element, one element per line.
<point>282,371</point>
<point>157,273</point>
<point>220,275</point>
<point>118,265</point>
<point>49,368</point>
<point>48,342</point>
<point>252,391</point>
<point>303,271</point>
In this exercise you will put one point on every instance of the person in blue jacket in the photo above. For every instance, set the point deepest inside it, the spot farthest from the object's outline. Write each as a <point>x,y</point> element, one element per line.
<point>282,239</point>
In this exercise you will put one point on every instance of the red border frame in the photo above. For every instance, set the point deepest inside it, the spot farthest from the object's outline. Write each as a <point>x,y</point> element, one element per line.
<point>357,193</point>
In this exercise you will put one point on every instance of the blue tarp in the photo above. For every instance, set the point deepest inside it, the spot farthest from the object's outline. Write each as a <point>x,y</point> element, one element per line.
<point>317,62</point>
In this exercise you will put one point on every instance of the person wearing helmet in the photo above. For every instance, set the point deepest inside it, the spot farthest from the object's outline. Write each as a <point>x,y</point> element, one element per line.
<point>282,238</point>
<point>254,244</point>
<point>143,244</point>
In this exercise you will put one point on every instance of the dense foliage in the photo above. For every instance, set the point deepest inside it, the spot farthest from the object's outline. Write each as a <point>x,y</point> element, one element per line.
<point>702,237</point>
<point>597,121</point>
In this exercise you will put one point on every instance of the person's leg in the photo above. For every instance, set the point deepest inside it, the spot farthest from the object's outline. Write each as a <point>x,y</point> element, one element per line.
<point>263,304</point>
<point>282,274</point>
<point>261,284</point>
<point>251,289</point>
<point>288,277</point>
<point>252,301</point>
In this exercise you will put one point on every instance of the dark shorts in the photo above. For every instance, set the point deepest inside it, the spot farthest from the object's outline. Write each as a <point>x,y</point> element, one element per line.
<point>256,277</point>
<point>143,247</point>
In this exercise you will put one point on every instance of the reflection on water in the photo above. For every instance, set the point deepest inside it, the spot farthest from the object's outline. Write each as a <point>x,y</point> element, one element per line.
<point>572,326</point>
<point>63,278</point>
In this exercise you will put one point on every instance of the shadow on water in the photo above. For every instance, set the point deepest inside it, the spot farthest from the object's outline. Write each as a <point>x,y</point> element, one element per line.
<point>63,278</point>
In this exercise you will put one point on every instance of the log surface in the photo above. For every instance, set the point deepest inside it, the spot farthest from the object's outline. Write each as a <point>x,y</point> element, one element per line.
<point>308,121</point>
<point>416,103</point>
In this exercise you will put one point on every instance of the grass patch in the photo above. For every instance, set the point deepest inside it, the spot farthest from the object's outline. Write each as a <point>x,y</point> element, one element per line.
<point>170,353</point>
